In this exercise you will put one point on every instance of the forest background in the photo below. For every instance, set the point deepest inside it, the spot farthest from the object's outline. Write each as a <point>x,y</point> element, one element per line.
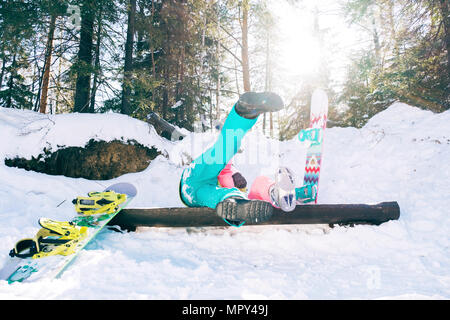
<point>189,60</point>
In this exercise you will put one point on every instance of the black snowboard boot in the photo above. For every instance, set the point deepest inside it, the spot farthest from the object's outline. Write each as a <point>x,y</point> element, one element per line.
<point>237,210</point>
<point>252,104</point>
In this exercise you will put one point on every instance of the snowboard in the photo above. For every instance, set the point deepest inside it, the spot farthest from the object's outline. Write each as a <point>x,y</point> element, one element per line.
<point>314,155</point>
<point>30,270</point>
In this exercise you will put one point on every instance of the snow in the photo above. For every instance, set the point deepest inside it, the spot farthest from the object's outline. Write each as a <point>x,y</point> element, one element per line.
<point>179,103</point>
<point>402,154</point>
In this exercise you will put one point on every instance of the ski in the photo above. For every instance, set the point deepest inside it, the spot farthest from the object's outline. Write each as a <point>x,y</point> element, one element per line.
<point>58,244</point>
<point>314,155</point>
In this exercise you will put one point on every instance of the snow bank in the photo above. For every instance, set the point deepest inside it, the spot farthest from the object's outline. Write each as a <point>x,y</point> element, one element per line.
<point>402,154</point>
<point>27,133</point>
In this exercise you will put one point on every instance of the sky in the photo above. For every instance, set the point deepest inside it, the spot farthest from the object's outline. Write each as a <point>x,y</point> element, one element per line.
<point>298,47</point>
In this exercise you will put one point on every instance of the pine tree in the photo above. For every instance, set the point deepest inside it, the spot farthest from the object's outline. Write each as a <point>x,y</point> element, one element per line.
<point>128,67</point>
<point>83,66</point>
<point>54,9</point>
<point>17,21</point>
<point>410,62</point>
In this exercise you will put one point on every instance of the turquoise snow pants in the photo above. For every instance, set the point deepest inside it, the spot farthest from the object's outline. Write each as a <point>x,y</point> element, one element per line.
<point>198,185</point>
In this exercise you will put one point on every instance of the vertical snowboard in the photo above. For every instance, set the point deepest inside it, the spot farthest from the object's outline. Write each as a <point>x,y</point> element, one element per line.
<point>314,134</point>
<point>30,270</point>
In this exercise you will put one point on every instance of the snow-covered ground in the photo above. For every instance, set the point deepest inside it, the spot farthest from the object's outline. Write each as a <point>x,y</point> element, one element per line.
<point>402,154</point>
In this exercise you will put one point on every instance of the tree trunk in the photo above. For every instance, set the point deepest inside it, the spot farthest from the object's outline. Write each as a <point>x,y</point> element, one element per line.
<point>58,76</point>
<point>97,61</point>
<point>166,75</point>
<point>11,83</point>
<point>140,17</point>
<point>2,72</point>
<point>376,41</point>
<point>390,11</point>
<point>445,12</point>
<point>35,76</point>
<point>165,96</point>
<point>39,81</point>
<point>126,91</point>
<point>83,87</point>
<point>245,62</point>
<point>271,124</point>
<point>218,84</point>
<point>268,84</point>
<point>179,116</point>
<point>47,65</point>
<point>151,43</point>
<point>200,110</point>
<point>236,77</point>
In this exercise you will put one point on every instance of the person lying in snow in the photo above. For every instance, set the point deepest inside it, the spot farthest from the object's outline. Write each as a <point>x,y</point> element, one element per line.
<point>212,181</point>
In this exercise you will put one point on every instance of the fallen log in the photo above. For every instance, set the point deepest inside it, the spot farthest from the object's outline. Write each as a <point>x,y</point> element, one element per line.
<point>164,128</point>
<point>342,214</point>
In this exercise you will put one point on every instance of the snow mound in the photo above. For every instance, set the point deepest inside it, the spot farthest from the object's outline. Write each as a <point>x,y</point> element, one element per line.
<point>411,122</point>
<point>402,154</point>
<point>28,133</point>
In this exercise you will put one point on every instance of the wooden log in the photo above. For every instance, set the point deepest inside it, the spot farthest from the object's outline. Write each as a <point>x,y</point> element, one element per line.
<point>164,128</point>
<point>342,214</point>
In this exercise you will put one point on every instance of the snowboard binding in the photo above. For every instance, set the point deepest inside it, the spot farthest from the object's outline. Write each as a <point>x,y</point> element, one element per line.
<point>54,238</point>
<point>307,193</point>
<point>99,203</point>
